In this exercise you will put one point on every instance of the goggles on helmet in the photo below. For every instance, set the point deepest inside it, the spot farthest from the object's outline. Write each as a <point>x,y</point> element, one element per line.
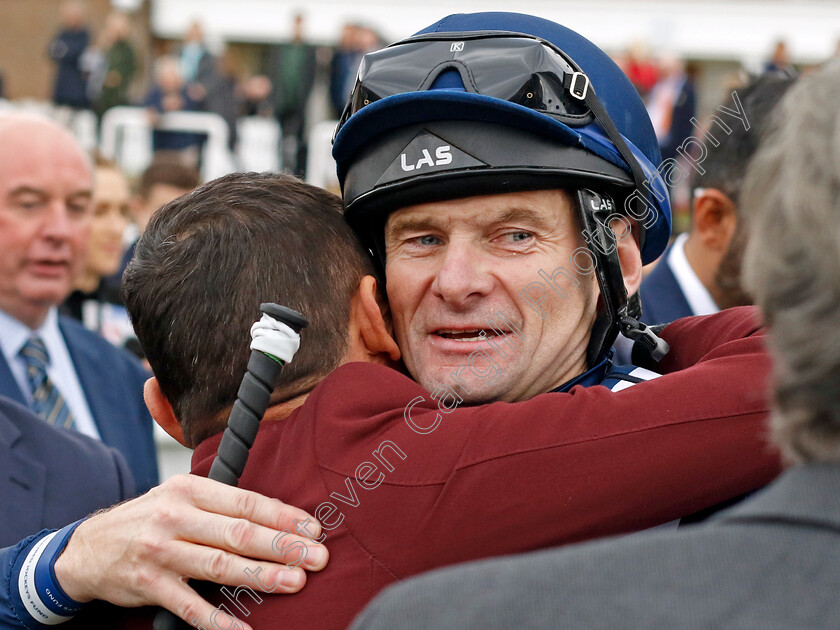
<point>513,67</point>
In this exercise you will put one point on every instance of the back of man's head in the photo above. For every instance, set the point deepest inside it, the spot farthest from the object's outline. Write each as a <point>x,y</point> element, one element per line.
<point>205,263</point>
<point>730,152</point>
<point>792,264</point>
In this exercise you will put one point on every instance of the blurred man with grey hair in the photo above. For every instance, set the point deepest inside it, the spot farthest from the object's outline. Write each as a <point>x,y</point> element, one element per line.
<point>772,562</point>
<point>67,375</point>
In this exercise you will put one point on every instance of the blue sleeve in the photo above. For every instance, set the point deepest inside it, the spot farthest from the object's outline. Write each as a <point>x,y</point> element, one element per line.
<point>30,594</point>
<point>13,616</point>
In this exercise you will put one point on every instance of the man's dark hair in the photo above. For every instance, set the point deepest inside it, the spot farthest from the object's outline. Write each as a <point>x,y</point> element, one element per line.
<point>169,169</point>
<point>726,164</point>
<point>205,263</point>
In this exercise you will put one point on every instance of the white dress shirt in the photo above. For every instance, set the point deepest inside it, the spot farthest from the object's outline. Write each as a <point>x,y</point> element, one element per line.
<point>14,334</point>
<point>698,297</point>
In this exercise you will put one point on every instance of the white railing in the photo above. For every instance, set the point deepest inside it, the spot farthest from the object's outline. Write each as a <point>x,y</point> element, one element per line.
<point>125,136</point>
<point>258,145</point>
<point>320,165</point>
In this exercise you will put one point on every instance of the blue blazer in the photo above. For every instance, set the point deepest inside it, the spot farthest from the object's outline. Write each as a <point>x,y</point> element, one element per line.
<point>50,477</point>
<point>112,382</point>
<point>662,298</point>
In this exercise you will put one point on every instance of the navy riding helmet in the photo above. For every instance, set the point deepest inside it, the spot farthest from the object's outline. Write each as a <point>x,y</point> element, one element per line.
<point>489,103</point>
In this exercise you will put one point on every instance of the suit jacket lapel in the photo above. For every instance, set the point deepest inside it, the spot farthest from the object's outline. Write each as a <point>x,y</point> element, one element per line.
<point>103,400</point>
<point>22,483</point>
<point>8,385</point>
<point>662,296</point>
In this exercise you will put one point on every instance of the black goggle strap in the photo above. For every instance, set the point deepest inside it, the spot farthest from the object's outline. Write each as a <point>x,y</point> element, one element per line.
<point>593,209</point>
<point>619,314</point>
<point>579,87</point>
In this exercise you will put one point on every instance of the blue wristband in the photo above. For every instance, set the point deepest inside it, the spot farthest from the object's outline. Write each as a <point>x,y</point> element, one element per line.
<point>38,586</point>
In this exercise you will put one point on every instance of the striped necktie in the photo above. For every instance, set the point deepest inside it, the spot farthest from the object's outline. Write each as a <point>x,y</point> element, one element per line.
<point>47,401</point>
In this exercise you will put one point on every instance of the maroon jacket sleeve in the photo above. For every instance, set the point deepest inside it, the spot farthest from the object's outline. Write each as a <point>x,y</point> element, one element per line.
<point>692,338</point>
<point>507,478</point>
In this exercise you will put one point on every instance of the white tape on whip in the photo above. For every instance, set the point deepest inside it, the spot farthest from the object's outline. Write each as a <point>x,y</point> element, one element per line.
<point>275,338</point>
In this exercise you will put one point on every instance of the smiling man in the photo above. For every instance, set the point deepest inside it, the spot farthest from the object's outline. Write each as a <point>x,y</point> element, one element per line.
<point>511,225</point>
<point>503,170</point>
<point>402,479</point>
<point>455,271</point>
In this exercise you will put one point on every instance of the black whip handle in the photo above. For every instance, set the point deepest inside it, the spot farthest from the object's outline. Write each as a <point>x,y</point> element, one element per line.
<point>252,400</point>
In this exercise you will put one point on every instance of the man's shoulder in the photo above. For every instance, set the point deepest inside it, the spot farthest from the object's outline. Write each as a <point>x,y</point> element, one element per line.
<point>357,397</point>
<point>359,407</point>
<point>362,380</point>
<point>67,454</point>
<point>53,476</point>
<point>47,442</point>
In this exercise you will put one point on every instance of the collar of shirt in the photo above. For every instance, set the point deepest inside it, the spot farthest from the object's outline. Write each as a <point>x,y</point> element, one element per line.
<point>14,333</point>
<point>698,297</point>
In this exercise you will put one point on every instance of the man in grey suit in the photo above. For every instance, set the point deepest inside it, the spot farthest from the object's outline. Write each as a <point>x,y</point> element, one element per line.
<point>770,563</point>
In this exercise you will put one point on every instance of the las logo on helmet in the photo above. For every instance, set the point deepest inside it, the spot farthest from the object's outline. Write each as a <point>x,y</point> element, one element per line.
<point>443,156</point>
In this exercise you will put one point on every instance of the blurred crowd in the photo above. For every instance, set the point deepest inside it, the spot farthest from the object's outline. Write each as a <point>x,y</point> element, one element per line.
<point>668,85</point>
<point>97,71</point>
<point>102,70</point>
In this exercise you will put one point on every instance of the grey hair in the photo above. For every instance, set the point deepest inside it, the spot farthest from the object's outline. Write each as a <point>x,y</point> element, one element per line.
<point>792,263</point>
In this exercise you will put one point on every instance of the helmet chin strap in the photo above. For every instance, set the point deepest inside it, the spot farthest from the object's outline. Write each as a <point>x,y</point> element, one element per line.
<point>619,314</point>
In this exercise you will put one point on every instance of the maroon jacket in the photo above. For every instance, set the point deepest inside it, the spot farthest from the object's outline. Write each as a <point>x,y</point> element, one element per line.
<point>504,478</point>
